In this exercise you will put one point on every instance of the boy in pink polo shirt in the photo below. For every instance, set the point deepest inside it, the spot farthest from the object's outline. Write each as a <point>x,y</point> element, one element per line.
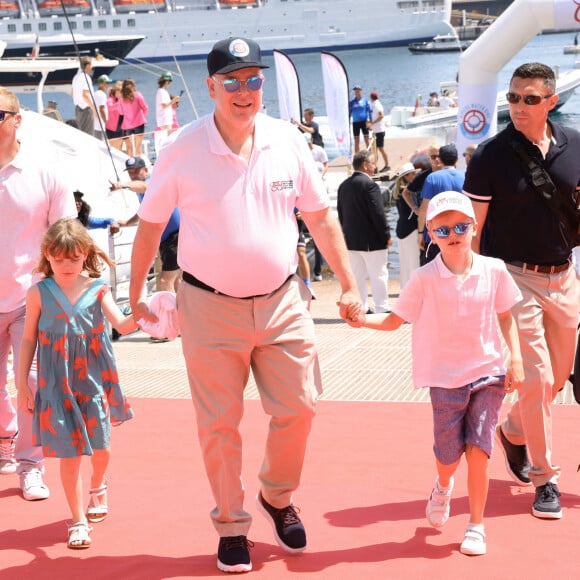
<point>454,303</point>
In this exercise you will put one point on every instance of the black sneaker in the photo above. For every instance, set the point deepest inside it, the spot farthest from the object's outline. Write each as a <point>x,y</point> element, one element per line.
<point>288,529</point>
<point>547,505</point>
<point>516,459</point>
<point>234,554</point>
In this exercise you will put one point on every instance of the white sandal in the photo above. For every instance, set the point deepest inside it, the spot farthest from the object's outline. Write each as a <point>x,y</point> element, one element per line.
<point>97,512</point>
<point>78,536</point>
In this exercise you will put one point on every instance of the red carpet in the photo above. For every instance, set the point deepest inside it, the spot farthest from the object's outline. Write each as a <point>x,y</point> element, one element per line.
<point>368,472</point>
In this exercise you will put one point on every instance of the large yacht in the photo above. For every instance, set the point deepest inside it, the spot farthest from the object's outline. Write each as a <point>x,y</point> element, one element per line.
<point>187,29</point>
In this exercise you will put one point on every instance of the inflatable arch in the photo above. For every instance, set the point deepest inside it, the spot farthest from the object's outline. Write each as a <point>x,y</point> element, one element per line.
<point>480,63</point>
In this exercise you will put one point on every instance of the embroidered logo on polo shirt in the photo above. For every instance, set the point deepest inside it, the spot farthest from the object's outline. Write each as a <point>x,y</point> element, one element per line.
<point>280,185</point>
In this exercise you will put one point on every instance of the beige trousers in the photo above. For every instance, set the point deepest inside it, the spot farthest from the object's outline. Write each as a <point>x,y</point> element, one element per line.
<point>223,338</point>
<point>547,318</point>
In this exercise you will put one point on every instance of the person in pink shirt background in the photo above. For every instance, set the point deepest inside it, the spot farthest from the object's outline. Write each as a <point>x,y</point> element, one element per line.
<point>134,110</point>
<point>114,120</point>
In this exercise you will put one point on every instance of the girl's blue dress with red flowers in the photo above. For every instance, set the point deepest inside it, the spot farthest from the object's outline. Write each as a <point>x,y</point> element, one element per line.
<point>78,394</point>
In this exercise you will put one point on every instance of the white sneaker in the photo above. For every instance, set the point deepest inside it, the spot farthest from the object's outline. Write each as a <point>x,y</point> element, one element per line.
<point>317,277</point>
<point>7,461</point>
<point>474,541</point>
<point>437,510</point>
<point>32,486</point>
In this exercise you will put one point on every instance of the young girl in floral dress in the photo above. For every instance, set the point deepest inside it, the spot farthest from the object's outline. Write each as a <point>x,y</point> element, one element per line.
<point>78,395</point>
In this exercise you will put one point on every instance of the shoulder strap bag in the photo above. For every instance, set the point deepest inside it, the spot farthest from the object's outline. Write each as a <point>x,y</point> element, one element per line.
<point>566,209</point>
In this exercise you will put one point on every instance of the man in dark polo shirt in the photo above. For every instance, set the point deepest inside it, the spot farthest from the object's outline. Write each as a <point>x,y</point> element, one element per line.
<point>535,240</point>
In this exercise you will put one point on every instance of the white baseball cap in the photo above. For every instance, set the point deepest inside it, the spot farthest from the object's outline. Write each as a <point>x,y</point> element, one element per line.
<point>450,201</point>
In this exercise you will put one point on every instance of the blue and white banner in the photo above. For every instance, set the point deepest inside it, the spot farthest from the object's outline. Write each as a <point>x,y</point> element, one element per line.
<point>288,87</point>
<point>477,112</point>
<point>336,96</point>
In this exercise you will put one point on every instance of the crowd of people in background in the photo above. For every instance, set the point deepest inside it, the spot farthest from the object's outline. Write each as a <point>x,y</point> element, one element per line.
<point>118,110</point>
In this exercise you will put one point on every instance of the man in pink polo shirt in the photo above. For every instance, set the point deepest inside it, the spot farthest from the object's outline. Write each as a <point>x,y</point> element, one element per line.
<point>33,196</point>
<point>236,177</point>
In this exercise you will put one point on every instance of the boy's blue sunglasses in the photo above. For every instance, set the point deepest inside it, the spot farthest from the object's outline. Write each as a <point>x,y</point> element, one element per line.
<point>459,229</point>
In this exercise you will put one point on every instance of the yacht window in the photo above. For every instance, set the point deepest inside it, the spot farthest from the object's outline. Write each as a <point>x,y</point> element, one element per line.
<point>42,27</point>
<point>116,24</point>
<point>408,5</point>
<point>26,27</point>
<point>87,24</point>
<point>131,22</point>
<point>11,28</point>
<point>73,25</point>
<point>57,26</point>
<point>102,24</point>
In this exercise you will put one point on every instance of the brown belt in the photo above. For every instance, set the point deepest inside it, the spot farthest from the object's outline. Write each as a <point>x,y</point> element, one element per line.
<point>538,269</point>
<point>191,279</point>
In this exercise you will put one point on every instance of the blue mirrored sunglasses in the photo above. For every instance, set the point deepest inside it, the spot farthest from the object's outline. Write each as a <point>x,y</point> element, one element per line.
<point>459,229</point>
<point>234,85</point>
<point>4,113</point>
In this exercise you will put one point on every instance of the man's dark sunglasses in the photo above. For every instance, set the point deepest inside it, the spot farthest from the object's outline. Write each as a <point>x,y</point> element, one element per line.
<point>4,113</point>
<point>514,98</point>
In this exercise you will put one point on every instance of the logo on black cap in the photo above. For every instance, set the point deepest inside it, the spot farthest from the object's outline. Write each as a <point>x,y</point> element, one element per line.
<point>239,48</point>
<point>234,54</point>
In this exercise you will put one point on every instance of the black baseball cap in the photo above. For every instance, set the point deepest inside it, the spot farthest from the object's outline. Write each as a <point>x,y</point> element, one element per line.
<point>234,54</point>
<point>448,154</point>
<point>135,163</point>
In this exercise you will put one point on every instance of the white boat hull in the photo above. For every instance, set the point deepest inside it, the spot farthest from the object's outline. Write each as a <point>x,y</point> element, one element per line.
<point>188,29</point>
<point>572,49</point>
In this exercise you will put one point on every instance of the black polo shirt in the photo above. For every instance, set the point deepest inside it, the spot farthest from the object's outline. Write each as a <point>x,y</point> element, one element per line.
<point>519,225</point>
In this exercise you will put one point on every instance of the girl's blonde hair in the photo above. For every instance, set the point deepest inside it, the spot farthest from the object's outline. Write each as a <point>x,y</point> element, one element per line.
<point>116,86</point>
<point>69,238</point>
<point>398,187</point>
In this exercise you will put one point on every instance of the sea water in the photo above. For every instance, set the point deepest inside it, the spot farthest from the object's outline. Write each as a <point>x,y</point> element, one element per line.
<point>397,75</point>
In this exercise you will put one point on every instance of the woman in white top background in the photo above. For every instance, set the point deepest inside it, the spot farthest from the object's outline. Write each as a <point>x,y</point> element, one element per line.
<point>164,103</point>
